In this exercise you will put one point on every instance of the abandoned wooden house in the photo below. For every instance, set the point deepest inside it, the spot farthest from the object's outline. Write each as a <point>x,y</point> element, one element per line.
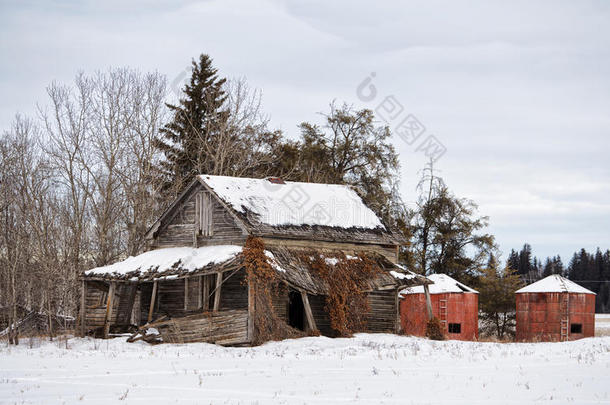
<point>191,282</point>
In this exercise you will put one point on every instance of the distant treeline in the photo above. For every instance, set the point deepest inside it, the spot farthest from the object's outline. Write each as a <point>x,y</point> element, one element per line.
<point>591,270</point>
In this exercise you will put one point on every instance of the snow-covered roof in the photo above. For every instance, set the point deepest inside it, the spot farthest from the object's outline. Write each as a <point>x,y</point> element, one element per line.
<point>167,260</point>
<point>442,284</point>
<point>294,203</point>
<point>554,283</point>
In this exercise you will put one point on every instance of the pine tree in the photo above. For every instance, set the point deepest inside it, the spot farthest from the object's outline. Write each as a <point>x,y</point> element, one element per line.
<point>197,120</point>
<point>513,260</point>
<point>497,299</point>
<point>447,232</point>
<point>552,265</point>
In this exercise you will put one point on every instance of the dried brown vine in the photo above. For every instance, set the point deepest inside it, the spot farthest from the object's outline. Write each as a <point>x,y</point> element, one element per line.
<point>264,281</point>
<point>347,279</point>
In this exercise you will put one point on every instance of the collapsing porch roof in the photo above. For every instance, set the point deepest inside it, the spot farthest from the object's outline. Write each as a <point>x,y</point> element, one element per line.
<point>171,263</point>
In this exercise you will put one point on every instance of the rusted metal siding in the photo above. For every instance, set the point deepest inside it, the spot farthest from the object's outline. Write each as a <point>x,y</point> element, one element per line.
<point>539,316</point>
<point>459,308</point>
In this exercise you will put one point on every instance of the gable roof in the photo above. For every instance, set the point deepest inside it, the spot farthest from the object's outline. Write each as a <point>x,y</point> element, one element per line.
<point>293,210</point>
<point>294,203</point>
<point>300,210</point>
<point>554,283</point>
<point>442,284</point>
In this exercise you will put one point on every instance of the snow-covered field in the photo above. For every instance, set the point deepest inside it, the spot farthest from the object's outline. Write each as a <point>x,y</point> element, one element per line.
<point>367,369</point>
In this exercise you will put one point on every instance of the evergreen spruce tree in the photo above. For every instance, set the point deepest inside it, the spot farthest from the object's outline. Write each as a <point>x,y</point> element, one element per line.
<point>513,260</point>
<point>497,299</point>
<point>197,120</point>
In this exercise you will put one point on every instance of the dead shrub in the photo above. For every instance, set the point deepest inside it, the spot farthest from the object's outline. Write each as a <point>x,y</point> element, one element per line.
<point>434,330</point>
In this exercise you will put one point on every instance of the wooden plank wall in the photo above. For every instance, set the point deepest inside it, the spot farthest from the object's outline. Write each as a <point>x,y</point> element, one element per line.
<point>171,297</point>
<point>382,318</point>
<point>95,300</point>
<point>234,291</point>
<point>170,301</point>
<point>223,327</point>
<point>280,302</point>
<point>317,303</point>
<point>389,251</point>
<point>181,228</point>
<point>125,296</point>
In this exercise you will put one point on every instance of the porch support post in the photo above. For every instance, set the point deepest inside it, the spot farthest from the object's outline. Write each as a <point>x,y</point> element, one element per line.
<point>83,308</point>
<point>109,305</point>
<point>217,292</point>
<point>153,300</point>
<point>311,322</point>
<point>428,302</point>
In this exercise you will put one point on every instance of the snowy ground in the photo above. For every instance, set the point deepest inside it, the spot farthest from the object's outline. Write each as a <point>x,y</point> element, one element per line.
<point>602,324</point>
<point>366,369</point>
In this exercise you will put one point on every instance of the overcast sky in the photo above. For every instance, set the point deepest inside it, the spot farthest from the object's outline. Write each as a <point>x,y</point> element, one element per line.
<point>518,93</point>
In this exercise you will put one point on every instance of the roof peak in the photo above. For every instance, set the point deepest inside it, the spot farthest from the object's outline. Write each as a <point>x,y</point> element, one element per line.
<point>270,179</point>
<point>443,284</point>
<point>279,203</point>
<point>554,283</point>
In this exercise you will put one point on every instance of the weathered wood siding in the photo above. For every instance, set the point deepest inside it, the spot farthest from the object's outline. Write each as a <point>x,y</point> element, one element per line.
<point>180,229</point>
<point>223,328</point>
<point>382,317</point>
<point>96,299</point>
<point>318,303</point>
<point>234,291</point>
<point>388,251</point>
<point>125,295</point>
<point>280,302</point>
<point>170,295</point>
<point>95,303</point>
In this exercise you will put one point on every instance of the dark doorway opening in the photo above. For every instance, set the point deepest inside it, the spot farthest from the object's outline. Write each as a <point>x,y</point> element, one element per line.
<point>296,310</point>
<point>576,328</point>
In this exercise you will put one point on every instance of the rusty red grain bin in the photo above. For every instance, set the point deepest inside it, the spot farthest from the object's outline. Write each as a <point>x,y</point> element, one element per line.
<point>555,309</point>
<point>452,308</point>
<point>540,316</point>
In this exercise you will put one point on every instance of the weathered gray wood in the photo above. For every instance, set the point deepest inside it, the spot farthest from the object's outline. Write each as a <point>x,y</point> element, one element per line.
<point>83,308</point>
<point>397,304</point>
<point>153,299</point>
<point>224,328</point>
<point>382,315</point>
<point>217,292</point>
<point>199,292</point>
<point>129,304</point>
<point>428,301</point>
<point>109,305</point>
<point>136,309</point>
<point>311,322</point>
<point>206,292</point>
<point>186,293</point>
<point>197,228</point>
<point>307,243</point>
<point>251,312</point>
